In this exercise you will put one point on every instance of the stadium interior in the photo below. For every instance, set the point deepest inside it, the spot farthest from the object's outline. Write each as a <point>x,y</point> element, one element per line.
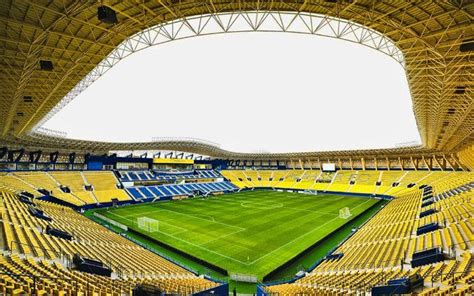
<point>54,190</point>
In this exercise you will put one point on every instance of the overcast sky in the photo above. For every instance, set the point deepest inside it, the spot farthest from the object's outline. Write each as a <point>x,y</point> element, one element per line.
<point>273,92</point>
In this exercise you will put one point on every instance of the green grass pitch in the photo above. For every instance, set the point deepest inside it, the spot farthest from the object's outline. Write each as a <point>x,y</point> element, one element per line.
<point>251,232</point>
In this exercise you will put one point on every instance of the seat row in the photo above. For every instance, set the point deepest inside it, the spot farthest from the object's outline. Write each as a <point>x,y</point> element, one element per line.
<point>383,248</point>
<point>36,261</point>
<point>102,186</point>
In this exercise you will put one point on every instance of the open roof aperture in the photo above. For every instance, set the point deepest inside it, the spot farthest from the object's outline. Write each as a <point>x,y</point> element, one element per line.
<point>282,92</point>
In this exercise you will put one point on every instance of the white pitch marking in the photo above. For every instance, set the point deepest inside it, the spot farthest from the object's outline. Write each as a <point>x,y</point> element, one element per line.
<point>242,229</point>
<point>220,237</point>
<point>161,222</point>
<point>270,208</point>
<point>303,235</point>
<point>254,205</point>
<point>200,247</point>
<point>192,216</point>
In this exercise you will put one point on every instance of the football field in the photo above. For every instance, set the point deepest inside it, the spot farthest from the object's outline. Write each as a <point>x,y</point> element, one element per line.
<point>251,232</point>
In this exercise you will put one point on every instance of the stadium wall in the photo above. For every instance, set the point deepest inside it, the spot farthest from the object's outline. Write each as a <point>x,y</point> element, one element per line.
<point>388,197</point>
<point>220,290</point>
<point>261,291</point>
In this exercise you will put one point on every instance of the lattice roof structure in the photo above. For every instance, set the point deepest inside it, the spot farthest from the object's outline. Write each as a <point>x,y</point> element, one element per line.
<point>434,37</point>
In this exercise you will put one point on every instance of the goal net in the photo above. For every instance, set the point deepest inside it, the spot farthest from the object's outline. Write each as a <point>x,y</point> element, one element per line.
<point>148,224</point>
<point>344,213</point>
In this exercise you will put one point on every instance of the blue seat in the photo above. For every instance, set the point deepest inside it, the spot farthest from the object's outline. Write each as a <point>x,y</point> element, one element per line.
<point>133,176</point>
<point>179,189</point>
<point>155,191</point>
<point>205,187</point>
<point>214,186</point>
<point>134,192</point>
<point>146,192</point>
<point>165,190</point>
<point>172,190</point>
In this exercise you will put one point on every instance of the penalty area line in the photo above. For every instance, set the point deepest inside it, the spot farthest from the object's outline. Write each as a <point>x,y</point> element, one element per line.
<point>193,216</point>
<point>182,230</point>
<point>206,249</point>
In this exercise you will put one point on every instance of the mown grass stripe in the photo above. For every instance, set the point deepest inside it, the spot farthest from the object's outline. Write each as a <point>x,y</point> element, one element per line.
<point>248,232</point>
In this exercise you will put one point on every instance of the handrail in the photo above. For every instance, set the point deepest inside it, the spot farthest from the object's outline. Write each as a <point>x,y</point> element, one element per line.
<point>61,254</point>
<point>364,287</point>
<point>77,284</point>
<point>433,275</point>
<point>449,247</point>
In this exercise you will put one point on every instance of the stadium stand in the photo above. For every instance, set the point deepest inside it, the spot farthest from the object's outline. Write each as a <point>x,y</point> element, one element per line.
<point>239,179</point>
<point>385,250</point>
<point>53,50</point>
<point>390,179</point>
<point>35,262</point>
<point>390,232</point>
<point>382,249</point>
<point>366,181</point>
<point>103,186</point>
<point>144,192</point>
<point>342,181</point>
<point>130,176</point>
<point>76,183</point>
<point>136,176</point>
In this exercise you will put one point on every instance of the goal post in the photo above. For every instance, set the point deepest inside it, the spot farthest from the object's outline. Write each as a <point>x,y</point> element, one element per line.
<point>344,213</point>
<point>148,224</point>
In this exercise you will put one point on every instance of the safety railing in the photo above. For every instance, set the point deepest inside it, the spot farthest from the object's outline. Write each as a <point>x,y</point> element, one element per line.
<point>74,283</point>
<point>346,283</point>
<point>39,252</point>
<point>35,284</point>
